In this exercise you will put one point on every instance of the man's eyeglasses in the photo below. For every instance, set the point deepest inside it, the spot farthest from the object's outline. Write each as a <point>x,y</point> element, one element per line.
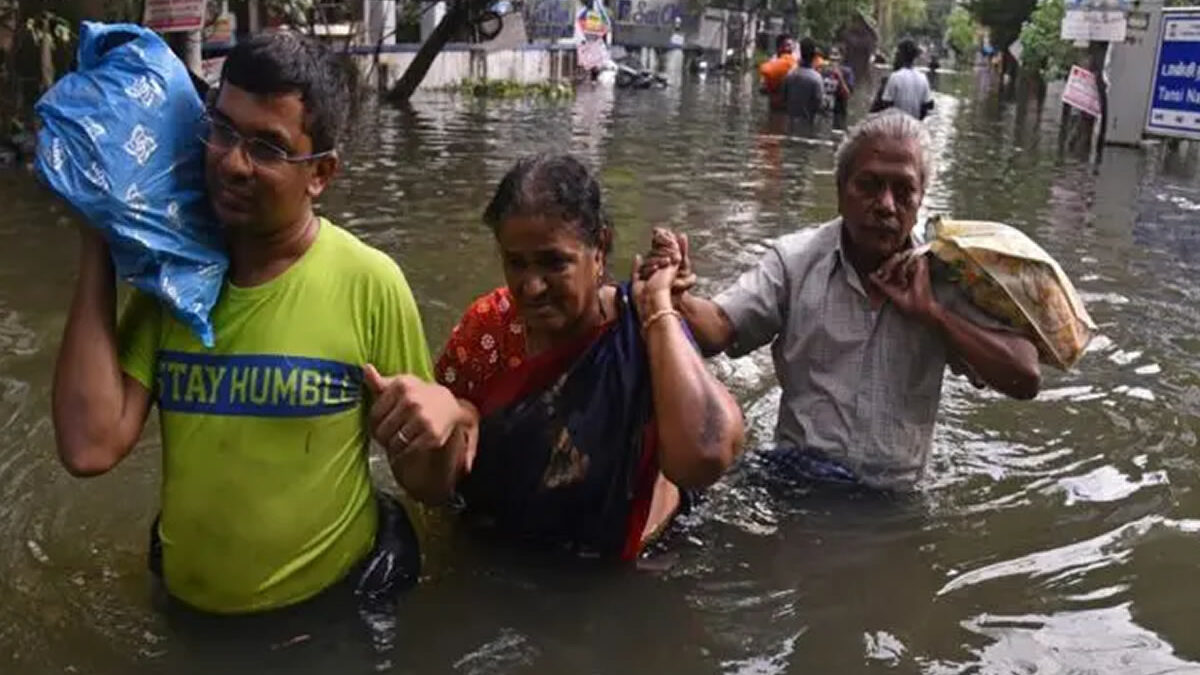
<point>223,137</point>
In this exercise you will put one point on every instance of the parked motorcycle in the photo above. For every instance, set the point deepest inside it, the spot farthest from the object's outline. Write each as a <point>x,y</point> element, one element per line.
<point>631,75</point>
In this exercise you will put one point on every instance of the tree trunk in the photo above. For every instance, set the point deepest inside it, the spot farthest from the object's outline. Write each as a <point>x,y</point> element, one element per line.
<point>451,24</point>
<point>1009,72</point>
<point>1064,128</point>
<point>47,49</point>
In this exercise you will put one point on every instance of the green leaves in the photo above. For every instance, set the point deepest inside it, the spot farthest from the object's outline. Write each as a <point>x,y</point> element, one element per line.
<point>1003,17</point>
<point>909,15</point>
<point>511,89</point>
<point>1044,50</point>
<point>48,28</point>
<point>823,18</point>
<point>960,31</point>
<point>294,11</point>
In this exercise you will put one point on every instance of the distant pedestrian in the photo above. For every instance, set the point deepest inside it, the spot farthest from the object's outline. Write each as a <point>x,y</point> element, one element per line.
<point>907,89</point>
<point>774,71</point>
<point>839,86</point>
<point>804,89</point>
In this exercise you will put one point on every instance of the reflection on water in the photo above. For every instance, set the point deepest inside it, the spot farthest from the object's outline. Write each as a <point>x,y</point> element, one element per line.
<point>1052,536</point>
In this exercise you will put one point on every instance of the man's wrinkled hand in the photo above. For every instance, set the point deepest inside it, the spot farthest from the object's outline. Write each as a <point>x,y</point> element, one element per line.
<point>409,414</point>
<point>669,249</point>
<point>904,280</point>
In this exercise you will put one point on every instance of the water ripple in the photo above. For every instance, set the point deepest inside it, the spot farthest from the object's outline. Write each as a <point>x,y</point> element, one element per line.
<point>1111,548</point>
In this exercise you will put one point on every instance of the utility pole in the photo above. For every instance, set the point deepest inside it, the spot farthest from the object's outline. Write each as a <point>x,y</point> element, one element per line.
<point>187,45</point>
<point>1097,55</point>
<point>254,16</point>
<point>193,55</point>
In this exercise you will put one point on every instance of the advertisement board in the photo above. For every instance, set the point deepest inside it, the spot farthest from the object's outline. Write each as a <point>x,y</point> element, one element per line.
<point>1095,20</point>
<point>174,16</point>
<point>1174,108</point>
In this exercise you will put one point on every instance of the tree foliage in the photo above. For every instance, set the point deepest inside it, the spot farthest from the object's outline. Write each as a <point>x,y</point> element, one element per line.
<point>293,11</point>
<point>936,14</point>
<point>823,18</point>
<point>48,29</point>
<point>36,41</point>
<point>960,32</point>
<point>1044,51</point>
<point>1003,17</point>
<point>908,16</point>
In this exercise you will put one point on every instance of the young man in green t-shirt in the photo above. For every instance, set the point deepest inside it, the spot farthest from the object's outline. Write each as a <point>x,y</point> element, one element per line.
<point>266,495</point>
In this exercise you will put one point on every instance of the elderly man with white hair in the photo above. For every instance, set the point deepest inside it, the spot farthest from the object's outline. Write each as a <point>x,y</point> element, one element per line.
<point>859,333</point>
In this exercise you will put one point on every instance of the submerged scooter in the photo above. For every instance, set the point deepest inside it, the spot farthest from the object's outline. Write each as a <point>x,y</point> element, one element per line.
<point>631,74</point>
<point>631,78</point>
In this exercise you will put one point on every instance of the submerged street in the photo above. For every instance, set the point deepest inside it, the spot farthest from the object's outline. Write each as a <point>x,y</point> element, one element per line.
<point>1058,535</point>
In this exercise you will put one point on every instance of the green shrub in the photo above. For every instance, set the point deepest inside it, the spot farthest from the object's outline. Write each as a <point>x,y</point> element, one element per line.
<point>508,89</point>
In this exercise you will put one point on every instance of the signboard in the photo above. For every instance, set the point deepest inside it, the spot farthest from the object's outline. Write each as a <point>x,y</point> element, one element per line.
<point>1095,20</point>
<point>547,19</point>
<point>220,33</point>
<point>1081,92</point>
<point>592,22</point>
<point>1175,91</point>
<point>591,54</point>
<point>1138,20</point>
<point>1099,5</point>
<point>174,16</point>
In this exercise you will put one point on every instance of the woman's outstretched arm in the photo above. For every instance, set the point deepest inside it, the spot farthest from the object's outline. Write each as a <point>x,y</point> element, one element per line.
<point>700,426</point>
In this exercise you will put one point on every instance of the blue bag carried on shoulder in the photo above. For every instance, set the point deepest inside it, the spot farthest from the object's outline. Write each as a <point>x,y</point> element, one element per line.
<point>120,141</point>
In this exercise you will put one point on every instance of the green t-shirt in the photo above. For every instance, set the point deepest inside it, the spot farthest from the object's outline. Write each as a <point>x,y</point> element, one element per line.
<point>266,495</point>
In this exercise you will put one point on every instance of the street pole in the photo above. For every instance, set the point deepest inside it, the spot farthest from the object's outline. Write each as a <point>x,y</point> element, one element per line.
<point>187,46</point>
<point>253,17</point>
<point>1097,55</point>
<point>193,51</point>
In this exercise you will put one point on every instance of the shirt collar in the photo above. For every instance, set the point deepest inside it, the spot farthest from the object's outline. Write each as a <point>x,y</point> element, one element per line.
<point>841,261</point>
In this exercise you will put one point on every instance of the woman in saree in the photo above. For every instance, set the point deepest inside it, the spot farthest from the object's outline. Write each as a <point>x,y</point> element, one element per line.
<point>596,413</point>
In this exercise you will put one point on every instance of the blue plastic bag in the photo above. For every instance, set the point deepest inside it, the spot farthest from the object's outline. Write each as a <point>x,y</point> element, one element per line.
<point>120,141</point>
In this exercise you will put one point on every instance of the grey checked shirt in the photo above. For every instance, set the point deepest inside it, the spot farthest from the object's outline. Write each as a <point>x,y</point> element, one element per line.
<point>860,385</point>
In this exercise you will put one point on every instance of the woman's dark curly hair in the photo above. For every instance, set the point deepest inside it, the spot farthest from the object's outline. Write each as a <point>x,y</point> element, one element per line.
<point>557,186</point>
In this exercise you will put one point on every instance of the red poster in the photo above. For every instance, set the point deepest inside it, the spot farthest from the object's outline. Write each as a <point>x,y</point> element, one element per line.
<point>172,16</point>
<point>1082,92</point>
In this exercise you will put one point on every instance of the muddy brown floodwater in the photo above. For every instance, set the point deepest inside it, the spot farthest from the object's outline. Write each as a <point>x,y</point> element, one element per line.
<point>1056,536</point>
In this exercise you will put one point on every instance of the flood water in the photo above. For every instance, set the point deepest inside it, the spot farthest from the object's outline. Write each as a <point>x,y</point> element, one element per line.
<point>1054,536</point>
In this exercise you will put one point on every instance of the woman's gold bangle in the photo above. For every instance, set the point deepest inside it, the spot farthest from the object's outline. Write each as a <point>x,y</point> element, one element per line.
<point>650,320</point>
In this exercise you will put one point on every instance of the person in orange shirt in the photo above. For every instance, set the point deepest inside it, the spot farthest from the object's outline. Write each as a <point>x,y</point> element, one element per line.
<point>776,69</point>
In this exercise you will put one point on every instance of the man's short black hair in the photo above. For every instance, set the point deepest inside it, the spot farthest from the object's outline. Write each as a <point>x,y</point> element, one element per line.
<point>286,63</point>
<point>808,51</point>
<point>781,40</point>
<point>907,52</point>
